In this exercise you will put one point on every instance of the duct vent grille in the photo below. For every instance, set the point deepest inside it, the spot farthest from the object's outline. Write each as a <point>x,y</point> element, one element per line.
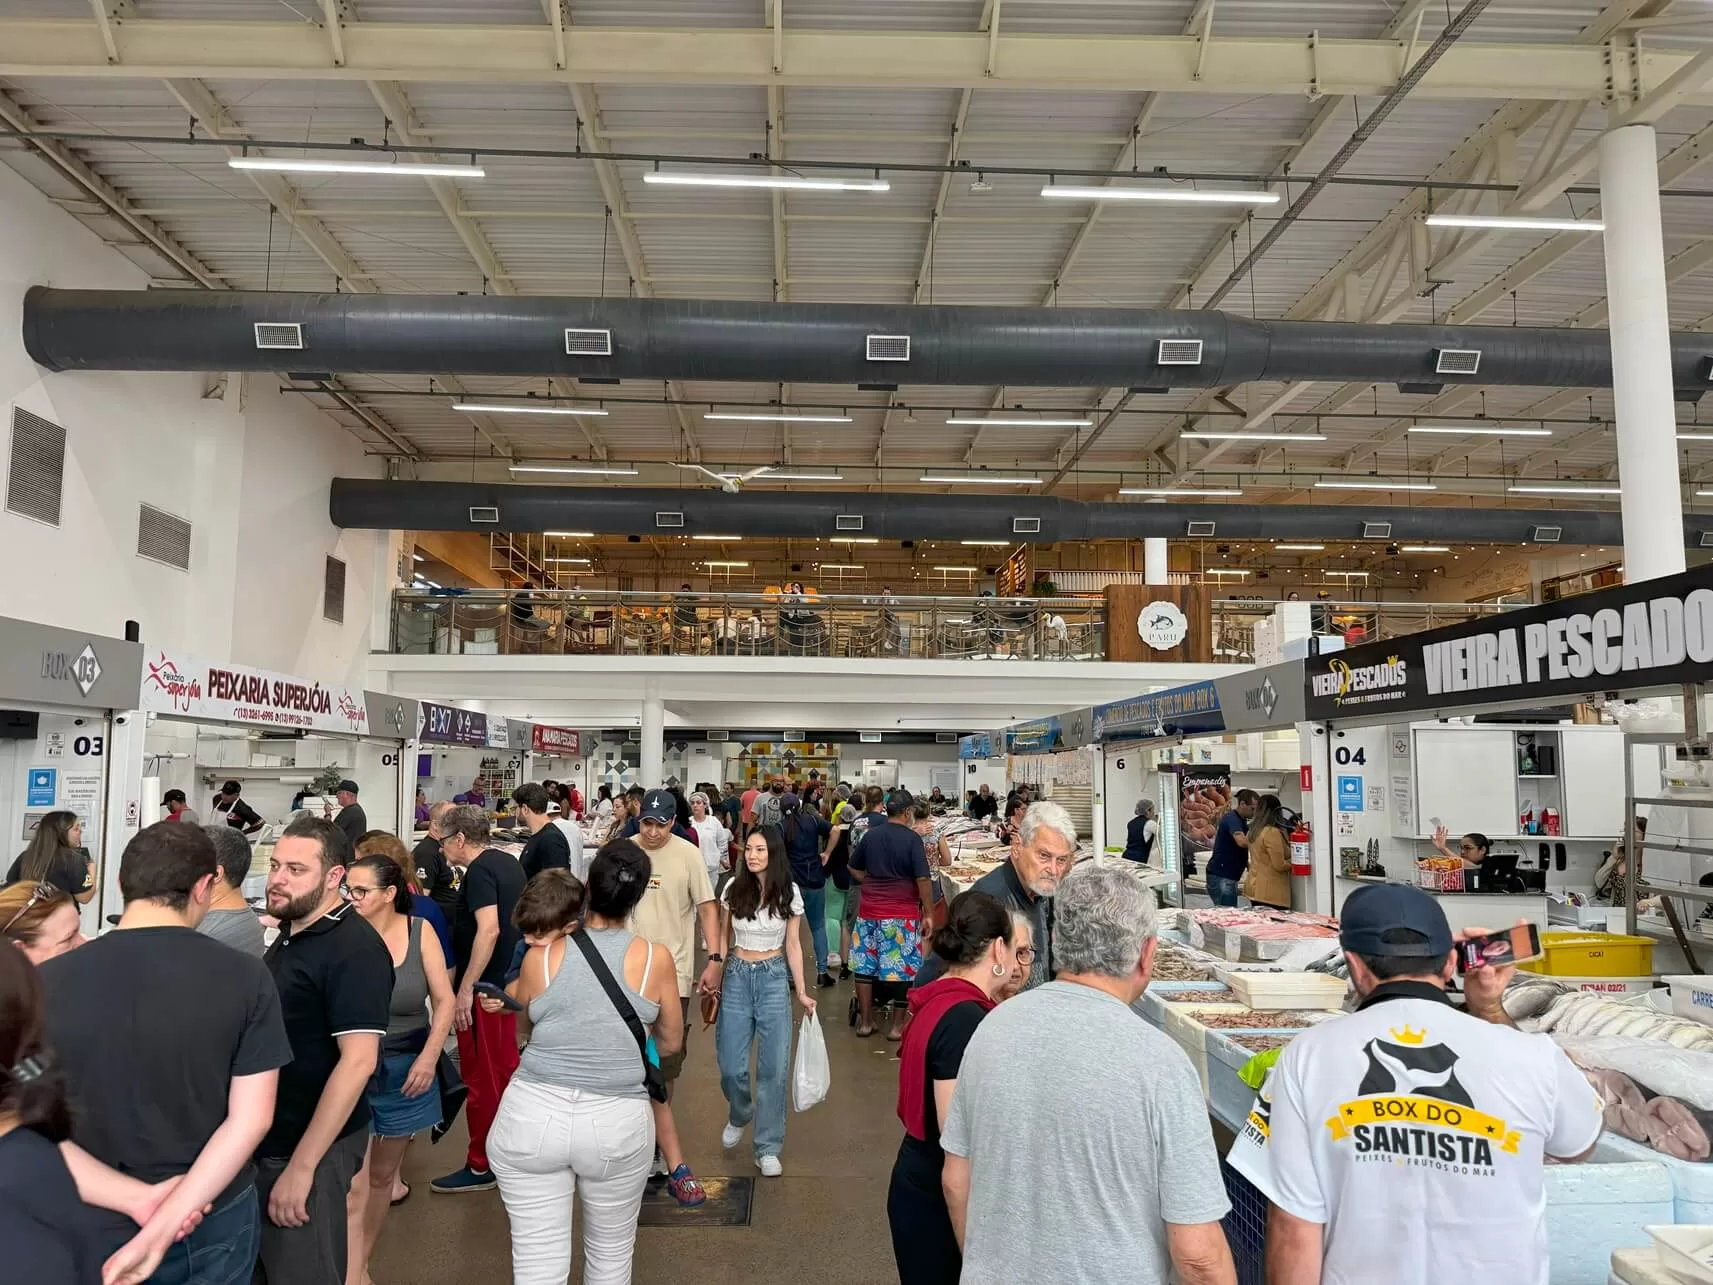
<point>279,334</point>
<point>889,347</point>
<point>668,519</point>
<point>1376,530</point>
<point>719,735</point>
<point>634,734</point>
<point>588,343</point>
<point>792,734</point>
<point>1457,361</point>
<point>869,738</point>
<point>1199,529</point>
<point>945,738</point>
<point>1025,526</point>
<point>36,472</point>
<point>484,513</point>
<point>1707,539</point>
<point>847,522</point>
<point>1548,534</point>
<point>163,538</point>
<point>333,592</point>
<point>1179,352</point>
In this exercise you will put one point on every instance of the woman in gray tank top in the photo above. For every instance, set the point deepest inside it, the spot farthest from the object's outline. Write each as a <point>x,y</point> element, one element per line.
<point>577,1112</point>
<point>402,1096</point>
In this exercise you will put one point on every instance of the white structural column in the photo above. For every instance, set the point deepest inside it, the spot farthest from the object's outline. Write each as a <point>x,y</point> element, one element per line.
<point>1641,354</point>
<point>1153,561</point>
<point>651,767</point>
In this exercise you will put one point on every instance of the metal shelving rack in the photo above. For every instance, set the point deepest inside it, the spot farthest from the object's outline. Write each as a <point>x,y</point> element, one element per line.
<point>1696,744</point>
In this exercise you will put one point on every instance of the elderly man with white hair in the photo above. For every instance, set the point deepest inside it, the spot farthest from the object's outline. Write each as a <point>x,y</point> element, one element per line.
<point>1121,1185</point>
<point>1041,855</point>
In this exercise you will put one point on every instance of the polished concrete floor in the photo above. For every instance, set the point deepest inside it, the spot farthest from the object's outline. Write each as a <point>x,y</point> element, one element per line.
<point>824,1222</point>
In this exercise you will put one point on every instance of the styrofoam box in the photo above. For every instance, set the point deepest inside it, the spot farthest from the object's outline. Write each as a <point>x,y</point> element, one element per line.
<point>1228,1097</point>
<point>1153,1003</point>
<point>1691,1180</point>
<point>1687,1251</point>
<point>1692,997</point>
<point>1289,990</point>
<point>1598,1207</point>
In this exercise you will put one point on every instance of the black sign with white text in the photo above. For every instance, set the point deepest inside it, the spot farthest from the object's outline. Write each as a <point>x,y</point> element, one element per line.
<point>449,725</point>
<point>1655,634</point>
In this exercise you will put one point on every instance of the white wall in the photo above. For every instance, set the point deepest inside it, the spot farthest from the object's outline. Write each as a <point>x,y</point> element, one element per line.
<point>250,472</point>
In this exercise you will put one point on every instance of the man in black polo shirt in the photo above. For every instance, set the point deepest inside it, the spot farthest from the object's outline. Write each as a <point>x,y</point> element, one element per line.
<point>171,1044</point>
<point>335,979</point>
<point>433,870</point>
<point>483,942</point>
<point>546,848</point>
<point>352,821</point>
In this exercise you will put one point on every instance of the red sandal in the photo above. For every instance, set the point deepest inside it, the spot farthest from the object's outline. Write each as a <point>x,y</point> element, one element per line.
<point>684,1187</point>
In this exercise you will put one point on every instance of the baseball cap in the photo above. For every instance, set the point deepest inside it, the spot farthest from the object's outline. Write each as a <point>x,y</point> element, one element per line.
<point>172,796</point>
<point>789,803</point>
<point>1368,913</point>
<point>347,786</point>
<point>659,805</point>
<point>231,787</point>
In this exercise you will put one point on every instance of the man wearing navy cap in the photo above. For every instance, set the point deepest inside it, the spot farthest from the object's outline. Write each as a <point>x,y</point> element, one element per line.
<point>1407,1141</point>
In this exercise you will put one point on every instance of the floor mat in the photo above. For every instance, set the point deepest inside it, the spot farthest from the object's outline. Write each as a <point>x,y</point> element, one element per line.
<point>727,1205</point>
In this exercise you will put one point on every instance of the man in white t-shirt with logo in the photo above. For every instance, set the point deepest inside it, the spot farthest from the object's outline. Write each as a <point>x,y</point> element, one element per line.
<point>1406,1142</point>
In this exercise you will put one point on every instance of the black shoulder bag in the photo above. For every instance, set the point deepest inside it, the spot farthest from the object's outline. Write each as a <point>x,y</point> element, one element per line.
<point>652,1079</point>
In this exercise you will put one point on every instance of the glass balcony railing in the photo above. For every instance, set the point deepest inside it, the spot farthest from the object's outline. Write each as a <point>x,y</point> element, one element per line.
<point>487,622</point>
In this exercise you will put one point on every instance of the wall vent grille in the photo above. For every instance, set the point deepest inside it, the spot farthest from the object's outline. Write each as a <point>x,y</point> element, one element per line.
<point>35,475</point>
<point>162,537</point>
<point>333,592</point>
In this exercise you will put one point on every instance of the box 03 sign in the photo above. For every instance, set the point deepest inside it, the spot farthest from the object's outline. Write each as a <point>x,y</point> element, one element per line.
<point>83,669</point>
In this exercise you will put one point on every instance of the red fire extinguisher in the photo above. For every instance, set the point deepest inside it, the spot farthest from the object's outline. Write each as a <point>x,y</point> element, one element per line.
<point>1300,849</point>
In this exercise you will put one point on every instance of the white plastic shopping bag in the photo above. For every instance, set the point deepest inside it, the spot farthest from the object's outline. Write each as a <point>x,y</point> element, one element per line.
<point>811,1077</point>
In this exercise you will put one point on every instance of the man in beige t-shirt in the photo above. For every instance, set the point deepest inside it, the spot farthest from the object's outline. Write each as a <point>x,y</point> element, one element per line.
<point>678,892</point>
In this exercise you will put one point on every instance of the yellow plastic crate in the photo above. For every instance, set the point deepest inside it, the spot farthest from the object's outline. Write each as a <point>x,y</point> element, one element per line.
<point>1571,954</point>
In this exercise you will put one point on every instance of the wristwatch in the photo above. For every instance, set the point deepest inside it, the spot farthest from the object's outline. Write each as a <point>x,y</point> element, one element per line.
<point>716,958</point>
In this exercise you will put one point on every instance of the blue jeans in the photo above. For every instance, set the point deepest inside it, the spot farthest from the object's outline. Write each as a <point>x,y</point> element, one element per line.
<point>755,1008</point>
<point>221,1251</point>
<point>815,911</point>
<point>1223,891</point>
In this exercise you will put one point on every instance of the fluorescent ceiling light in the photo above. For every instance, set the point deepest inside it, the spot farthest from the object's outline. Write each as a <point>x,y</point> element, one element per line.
<point>1514,222</point>
<point>1426,548</point>
<point>1224,571</point>
<point>1695,437</point>
<point>417,557</point>
<point>748,417</point>
<point>725,564</point>
<point>1704,493</point>
<point>841,566</point>
<point>567,559</point>
<point>311,165</point>
<point>1010,421</point>
<point>1255,437</point>
<point>570,535</point>
<point>722,538</point>
<point>1377,484</point>
<point>855,539</point>
<point>522,408</point>
<point>1181,195</point>
<point>987,544</point>
<point>1459,430</point>
<point>964,570</point>
<point>1170,491</point>
<point>984,479</point>
<point>1298,548</point>
<point>592,470</point>
<point>1564,490</point>
<point>795,477</point>
<point>1349,575</point>
<point>784,182</point>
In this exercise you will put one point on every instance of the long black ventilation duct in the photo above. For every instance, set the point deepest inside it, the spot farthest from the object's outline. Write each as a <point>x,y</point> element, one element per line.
<point>843,343</point>
<point>645,511</point>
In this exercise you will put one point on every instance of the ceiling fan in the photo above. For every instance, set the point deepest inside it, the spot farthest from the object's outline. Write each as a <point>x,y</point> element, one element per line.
<point>730,482</point>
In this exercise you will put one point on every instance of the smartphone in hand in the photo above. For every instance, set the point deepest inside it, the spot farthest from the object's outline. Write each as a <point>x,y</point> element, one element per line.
<point>1499,949</point>
<point>496,992</point>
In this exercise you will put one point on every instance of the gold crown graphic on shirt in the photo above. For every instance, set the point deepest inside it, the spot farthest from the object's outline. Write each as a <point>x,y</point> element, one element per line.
<point>1409,1035</point>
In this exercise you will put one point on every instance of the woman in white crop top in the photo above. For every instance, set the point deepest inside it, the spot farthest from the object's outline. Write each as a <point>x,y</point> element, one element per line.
<point>760,910</point>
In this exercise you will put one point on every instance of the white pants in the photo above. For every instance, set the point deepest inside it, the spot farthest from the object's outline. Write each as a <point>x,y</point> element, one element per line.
<point>546,1143</point>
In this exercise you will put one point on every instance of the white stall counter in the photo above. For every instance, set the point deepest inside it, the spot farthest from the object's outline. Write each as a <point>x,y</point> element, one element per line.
<point>1494,910</point>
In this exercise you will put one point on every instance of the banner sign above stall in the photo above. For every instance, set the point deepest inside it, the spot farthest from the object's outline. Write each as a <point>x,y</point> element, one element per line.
<point>1258,699</point>
<point>449,725</point>
<point>556,740</point>
<point>977,745</point>
<point>179,684</point>
<point>46,666</point>
<point>1193,708</point>
<point>1077,728</point>
<point>1039,736</point>
<point>392,716</point>
<point>1651,635</point>
<point>499,734</point>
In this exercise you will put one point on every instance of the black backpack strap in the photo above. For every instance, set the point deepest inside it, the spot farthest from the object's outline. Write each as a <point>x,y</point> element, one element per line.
<point>651,1075</point>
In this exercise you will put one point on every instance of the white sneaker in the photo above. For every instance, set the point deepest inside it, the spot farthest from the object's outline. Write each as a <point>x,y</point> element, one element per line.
<point>769,1166</point>
<point>731,1135</point>
<point>833,960</point>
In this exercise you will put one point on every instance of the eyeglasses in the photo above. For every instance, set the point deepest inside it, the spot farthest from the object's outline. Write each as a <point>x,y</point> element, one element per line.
<point>1026,954</point>
<point>40,893</point>
<point>356,892</point>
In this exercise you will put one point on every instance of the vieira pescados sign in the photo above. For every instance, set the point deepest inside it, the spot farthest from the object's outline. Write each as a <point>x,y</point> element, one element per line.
<point>1655,634</point>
